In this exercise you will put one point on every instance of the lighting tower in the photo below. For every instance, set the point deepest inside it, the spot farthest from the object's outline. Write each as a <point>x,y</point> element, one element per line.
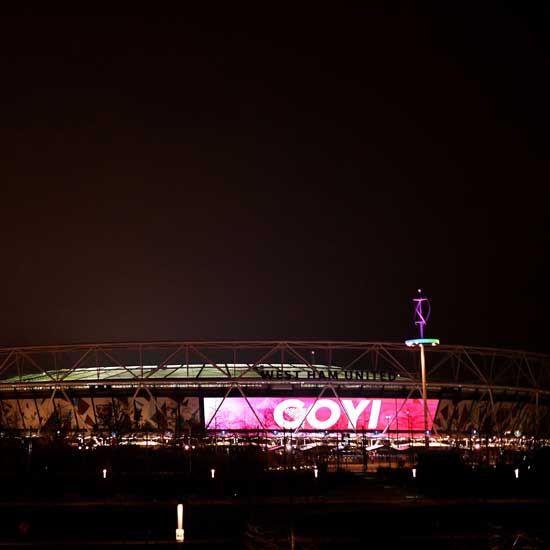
<point>421,315</point>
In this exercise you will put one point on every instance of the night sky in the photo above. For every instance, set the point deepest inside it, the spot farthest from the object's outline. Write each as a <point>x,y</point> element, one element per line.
<point>275,175</point>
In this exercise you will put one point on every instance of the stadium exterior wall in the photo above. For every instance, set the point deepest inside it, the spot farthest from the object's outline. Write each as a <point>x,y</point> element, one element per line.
<point>161,386</point>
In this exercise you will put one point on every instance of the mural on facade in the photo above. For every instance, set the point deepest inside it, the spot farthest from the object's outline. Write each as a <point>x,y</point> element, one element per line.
<point>103,413</point>
<point>122,414</point>
<point>466,416</point>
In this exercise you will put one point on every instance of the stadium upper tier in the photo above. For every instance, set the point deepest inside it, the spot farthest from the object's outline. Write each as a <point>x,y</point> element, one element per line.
<point>273,363</point>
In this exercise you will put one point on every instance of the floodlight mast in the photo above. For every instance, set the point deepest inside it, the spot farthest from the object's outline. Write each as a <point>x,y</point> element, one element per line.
<point>420,319</point>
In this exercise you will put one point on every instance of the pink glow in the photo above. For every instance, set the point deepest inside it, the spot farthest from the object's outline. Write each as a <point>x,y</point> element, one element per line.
<point>276,413</point>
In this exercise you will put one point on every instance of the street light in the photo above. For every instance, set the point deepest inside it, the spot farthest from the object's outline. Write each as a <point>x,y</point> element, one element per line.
<point>421,318</point>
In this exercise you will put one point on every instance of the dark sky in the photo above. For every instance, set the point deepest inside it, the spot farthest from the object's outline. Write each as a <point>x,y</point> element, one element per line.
<point>275,175</point>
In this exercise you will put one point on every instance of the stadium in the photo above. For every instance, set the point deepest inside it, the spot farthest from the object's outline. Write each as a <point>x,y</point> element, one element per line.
<point>276,395</point>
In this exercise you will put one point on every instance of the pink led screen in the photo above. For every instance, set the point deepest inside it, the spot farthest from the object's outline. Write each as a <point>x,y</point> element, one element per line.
<point>307,413</point>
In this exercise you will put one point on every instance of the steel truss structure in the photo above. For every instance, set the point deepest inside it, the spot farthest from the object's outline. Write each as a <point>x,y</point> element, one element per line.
<point>491,391</point>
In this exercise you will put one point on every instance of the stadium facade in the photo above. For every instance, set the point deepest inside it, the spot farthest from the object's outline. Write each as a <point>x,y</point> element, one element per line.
<point>173,391</point>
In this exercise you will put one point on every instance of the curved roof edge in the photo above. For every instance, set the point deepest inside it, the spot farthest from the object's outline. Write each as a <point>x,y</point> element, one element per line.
<point>319,344</point>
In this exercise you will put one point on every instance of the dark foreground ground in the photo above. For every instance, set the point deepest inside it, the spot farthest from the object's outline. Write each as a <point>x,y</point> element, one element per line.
<point>343,511</point>
<point>447,506</point>
<point>266,525</point>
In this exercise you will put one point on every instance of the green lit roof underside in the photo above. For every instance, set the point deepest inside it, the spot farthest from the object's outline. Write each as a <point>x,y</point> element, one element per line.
<point>195,371</point>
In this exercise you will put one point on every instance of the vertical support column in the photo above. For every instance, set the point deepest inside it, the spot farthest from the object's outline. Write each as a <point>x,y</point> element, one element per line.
<point>537,415</point>
<point>424,395</point>
<point>23,416</point>
<point>73,406</point>
<point>96,424</point>
<point>114,416</point>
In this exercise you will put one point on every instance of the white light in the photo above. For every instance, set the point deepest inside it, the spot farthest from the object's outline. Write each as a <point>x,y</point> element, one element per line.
<point>186,447</point>
<point>212,472</point>
<point>180,516</point>
<point>104,473</point>
<point>414,472</point>
<point>516,473</point>
<point>316,472</point>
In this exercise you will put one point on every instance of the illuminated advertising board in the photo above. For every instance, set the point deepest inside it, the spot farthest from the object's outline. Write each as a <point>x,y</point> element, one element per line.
<point>309,413</point>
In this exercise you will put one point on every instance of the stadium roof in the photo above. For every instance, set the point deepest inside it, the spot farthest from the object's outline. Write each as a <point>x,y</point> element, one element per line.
<point>274,362</point>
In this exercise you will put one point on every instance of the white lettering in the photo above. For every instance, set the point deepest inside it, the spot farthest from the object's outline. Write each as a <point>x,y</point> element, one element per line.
<point>330,421</point>
<point>293,408</point>
<point>289,414</point>
<point>374,414</point>
<point>354,412</point>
